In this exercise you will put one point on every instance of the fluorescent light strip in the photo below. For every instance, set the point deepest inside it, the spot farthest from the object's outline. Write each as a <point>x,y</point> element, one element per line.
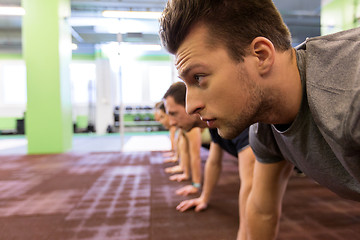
<point>131,14</point>
<point>12,11</point>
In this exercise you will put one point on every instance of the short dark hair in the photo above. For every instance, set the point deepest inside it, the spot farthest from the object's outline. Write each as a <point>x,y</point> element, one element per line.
<point>234,23</point>
<point>178,92</point>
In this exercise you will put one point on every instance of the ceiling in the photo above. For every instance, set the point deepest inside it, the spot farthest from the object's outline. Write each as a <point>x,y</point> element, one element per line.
<point>89,28</point>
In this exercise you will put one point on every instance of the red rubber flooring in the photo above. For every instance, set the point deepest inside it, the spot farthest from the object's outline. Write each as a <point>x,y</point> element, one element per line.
<point>127,196</point>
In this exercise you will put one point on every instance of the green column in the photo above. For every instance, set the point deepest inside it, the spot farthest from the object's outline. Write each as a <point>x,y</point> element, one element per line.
<point>47,54</point>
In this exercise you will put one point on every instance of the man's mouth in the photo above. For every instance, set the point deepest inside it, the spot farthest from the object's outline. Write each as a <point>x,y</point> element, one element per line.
<point>209,122</point>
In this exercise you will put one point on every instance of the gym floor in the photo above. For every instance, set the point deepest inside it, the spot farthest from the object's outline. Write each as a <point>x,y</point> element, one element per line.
<point>127,195</point>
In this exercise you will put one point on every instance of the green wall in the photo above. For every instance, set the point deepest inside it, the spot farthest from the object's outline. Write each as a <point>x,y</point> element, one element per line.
<point>338,15</point>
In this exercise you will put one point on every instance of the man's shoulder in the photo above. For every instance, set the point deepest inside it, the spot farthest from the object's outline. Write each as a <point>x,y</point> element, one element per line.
<point>333,80</point>
<point>333,54</point>
<point>261,131</point>
<point>350,34</point>
<point>193,134</point>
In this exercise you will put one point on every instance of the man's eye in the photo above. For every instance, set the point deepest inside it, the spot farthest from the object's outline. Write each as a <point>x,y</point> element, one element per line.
<point>198,78</point>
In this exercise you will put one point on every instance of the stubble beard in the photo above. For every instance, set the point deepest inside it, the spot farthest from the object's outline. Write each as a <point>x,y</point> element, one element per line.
<point>253,109</point>
<point>233,128</point>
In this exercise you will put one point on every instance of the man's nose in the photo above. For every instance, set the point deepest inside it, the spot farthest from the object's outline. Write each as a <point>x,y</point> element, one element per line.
<point>193,101</point>
<point>172,122</point>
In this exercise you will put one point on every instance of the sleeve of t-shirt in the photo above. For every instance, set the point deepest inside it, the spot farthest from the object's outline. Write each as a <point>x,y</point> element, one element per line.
<point>263,143</point>
<point>242,140</point>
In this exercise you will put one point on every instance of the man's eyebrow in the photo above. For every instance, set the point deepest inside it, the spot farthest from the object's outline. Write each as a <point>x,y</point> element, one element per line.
<point>188,69</point>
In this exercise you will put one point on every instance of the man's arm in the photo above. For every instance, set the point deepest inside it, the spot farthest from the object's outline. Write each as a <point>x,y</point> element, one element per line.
<point>172,133</point>
<point>263,209</point>
<point>211,176</point>
<point>173,155</point>
<point>194,144</point>
<point>184,159</point>
<point>194,138</point>
<point>246,172</point>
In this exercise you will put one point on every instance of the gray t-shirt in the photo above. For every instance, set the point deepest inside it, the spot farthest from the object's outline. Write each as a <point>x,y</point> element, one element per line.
<point>324,139</point>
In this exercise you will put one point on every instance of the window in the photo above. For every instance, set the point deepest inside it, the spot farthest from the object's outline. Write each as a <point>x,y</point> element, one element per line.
<point>159,81</point>
<point>82,77</point>
<point>145,82</point>
<point>13,79</point>
<point>132,83</point>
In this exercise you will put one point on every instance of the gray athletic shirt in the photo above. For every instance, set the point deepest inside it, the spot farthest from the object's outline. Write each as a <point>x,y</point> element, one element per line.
<point>324,139</point>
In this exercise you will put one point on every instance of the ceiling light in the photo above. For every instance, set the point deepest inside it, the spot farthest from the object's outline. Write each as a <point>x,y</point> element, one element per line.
<point>12,11</point>
<point>131,14</point>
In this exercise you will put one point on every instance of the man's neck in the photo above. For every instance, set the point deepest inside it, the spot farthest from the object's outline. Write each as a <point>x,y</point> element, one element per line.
<point>286,89</point>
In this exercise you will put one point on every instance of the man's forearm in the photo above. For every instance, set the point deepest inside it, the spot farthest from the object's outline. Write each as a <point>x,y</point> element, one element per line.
<point>196,169</point>
<point>211,177</point>
<point>263,208</point>
<point>246,172</point>
<point>194,137</point>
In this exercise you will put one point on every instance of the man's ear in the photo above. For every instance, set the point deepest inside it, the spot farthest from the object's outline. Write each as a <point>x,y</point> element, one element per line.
<point>263,49</point>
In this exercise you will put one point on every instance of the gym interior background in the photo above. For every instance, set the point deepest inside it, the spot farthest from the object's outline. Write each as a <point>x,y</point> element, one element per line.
<point>69,67</point>
<point>80,154</point>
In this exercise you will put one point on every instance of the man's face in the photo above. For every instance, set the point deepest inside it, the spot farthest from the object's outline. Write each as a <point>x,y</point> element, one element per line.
<point>219,89</point>
<point>162,118</point>
<point>157,115</point>
<point>178,116</point>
